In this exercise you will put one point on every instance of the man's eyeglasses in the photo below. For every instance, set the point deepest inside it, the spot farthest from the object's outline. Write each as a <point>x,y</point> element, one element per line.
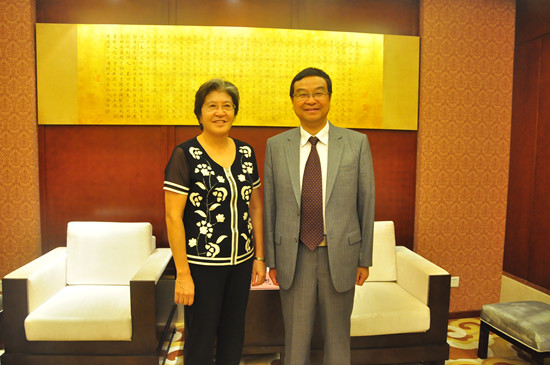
<point>210,108</point>
<point>305,96</point>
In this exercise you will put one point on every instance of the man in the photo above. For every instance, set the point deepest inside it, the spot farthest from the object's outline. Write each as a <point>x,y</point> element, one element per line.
<point>321,271</point>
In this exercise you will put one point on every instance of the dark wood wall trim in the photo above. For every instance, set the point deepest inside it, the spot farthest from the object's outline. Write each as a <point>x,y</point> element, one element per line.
<point>522,158</point>
<point>367,16</point>
<point>532,20</point>
<point>526,253</point>
<point>116,172</point>
<point>539,272</point>
<point>105,11</point>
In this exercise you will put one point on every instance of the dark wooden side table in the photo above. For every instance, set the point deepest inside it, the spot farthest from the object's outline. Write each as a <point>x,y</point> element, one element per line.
<point>264,329</point>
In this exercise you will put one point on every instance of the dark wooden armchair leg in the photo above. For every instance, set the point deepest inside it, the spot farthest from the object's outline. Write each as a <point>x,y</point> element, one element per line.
<point>537,360</point>
<point>484,330</point>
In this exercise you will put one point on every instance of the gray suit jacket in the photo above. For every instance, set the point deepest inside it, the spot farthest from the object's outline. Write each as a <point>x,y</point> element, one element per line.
<point>349,205</point>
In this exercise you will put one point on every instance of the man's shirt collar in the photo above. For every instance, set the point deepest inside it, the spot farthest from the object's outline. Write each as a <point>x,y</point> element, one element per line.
<point>322,135</point>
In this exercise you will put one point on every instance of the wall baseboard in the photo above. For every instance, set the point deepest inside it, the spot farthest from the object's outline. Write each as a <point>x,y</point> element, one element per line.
<point>514,289</point>
<point>465,314</point>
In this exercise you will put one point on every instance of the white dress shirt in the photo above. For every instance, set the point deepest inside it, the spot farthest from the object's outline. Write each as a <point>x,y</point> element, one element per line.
<point>322,150</point>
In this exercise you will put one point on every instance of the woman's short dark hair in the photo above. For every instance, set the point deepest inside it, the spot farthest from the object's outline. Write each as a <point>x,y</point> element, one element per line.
<point>311,71</point>
<point>215,85</point>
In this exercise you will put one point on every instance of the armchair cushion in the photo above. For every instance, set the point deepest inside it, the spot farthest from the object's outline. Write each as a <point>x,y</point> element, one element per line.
<point>527,322</point>
<point>83,313</point>
<point>381,308</point>
<point>106,253</point>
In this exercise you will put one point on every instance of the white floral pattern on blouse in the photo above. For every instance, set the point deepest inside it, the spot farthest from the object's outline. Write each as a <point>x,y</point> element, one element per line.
<point>217,221</point>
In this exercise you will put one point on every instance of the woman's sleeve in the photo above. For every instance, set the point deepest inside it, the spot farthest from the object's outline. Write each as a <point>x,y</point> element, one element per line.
<point>176,173</point>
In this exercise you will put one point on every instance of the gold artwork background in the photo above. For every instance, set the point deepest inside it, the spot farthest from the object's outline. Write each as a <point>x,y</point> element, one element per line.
<point>135,74</point>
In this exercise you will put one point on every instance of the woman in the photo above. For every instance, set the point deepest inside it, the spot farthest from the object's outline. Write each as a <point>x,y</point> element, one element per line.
<point>214,221</point>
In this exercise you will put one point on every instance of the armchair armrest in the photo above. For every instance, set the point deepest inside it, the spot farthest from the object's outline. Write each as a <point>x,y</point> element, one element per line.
<point>45,276</point>
<point>430,284</point>
<point>414,271</point>
<point>146,313</point>
<point>25,289</point>
<point>154,266</point>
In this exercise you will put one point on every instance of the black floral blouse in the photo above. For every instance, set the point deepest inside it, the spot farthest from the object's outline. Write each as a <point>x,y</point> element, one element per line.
<point>218,228</point>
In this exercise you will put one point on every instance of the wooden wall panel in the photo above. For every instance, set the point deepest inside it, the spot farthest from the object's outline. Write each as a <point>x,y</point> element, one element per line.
<point>242,13</point>
<point>526,252</point>
<point>539,272</point>
<point>112,173</point>
<point>379,16</point>
<point>104,11</point>
<point>373,16</point>
<point>532,19</point>
<point>522,158</point>
<point>116,172</point>
<point>394,160</point>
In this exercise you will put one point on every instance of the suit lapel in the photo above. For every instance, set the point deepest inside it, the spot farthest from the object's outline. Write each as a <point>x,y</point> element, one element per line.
<point>335,150</point>
<point>292,153</point>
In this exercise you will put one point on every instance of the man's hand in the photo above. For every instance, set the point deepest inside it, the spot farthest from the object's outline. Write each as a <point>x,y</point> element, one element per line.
<point>362,275</point>
<point>273,276</point>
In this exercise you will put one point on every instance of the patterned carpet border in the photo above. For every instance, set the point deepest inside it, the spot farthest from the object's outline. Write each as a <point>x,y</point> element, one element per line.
<point>462,336</point>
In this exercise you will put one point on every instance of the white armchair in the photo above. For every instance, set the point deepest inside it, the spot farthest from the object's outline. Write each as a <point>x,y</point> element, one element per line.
<point>100,300</point>
<point>399,315</point>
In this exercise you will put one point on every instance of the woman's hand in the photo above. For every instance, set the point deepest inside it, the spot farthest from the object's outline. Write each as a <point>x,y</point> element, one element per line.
<point>258,273</point>
<point>185,290</point>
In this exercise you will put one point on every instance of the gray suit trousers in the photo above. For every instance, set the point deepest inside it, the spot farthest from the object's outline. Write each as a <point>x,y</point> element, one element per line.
<point>313,289</point>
